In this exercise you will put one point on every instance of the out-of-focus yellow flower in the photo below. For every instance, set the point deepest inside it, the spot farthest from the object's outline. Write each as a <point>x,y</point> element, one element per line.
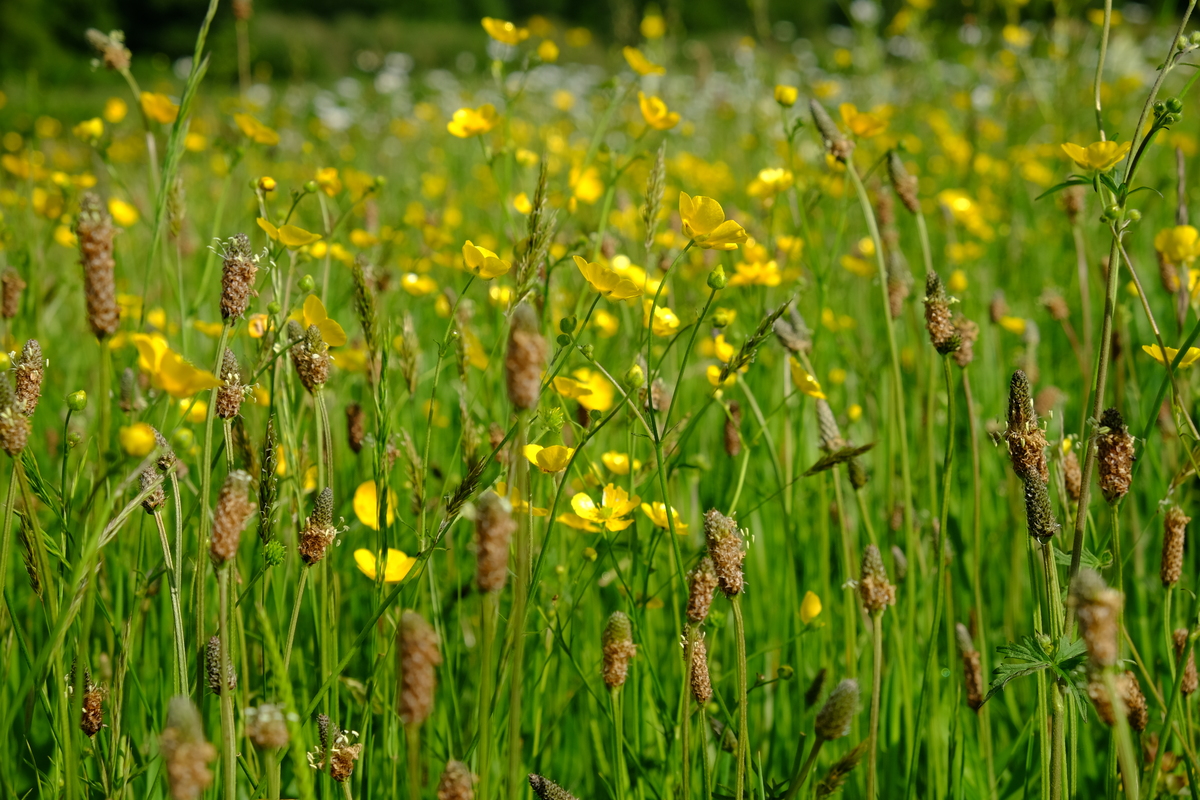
<point>195,142</point>
<point>124,214</point>
<point>168,370</point>
<point>290,236</point>
<point>267,183</point>
<point>89,130</point>
<point>957,281</point>
<point>65,236</point>
<point>606,324</point>
<point>468,122</point>
<point>418,285</point>
<point>613,511</point>
<point>396,564</point>
<point>804,382</point>
<point>1098,156</point>
<point>665,321</point>
<point>1178,245</point>
<point>605,281</point>
<point>704,221</point>
<point>713,373</point>
<point>211,329</point>
<point>570,388</point>
<point>577,522</point>
<point>860,123</point>
<point>194,411</point>
<point>618,463</point>
<point>657,514</point>
<point>586,186</point>
<point>137,440</point>
<point>1013,325</point>
<point>1017,37</point>
<point>854,412</point>
<point>640,64</point>
<point>1096,17</point>
<point>484,262</point>
<point>756,274</point>
<point>257,325</point>
<point>329,182</point>
<point>1155,352</point>
<point>653,26</point>
<point>655,112</point>
<point>315,314</point>
<point>786,95</point>
<point>810,607</point>
<point>159,107</point>
<point>504,32</point>
<point>770,182</point>
<point>115,110</point>
<point>548,51</point>
<point>522,203</point>
<point>366,505</point>
<point>255,130</point>
<point>549,459</point>
<point>599,396</point>
<point>520,506</point>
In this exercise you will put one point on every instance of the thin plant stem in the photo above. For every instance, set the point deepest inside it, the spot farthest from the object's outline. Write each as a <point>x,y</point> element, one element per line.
<point>876,683</point>
<point>520,484</point>
<point>181,681</point>
<point>1172,704</point>
<point>291,637</point>
<point>686,713</point>
<point>743,754</point>
<point>802,774</point>
<point>487,636</point>
<point>620,773</point>
<point>6,530</point>
<point>228,734</point>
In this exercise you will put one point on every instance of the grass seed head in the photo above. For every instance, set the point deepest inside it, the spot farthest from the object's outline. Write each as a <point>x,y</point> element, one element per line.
<point>494,527</point>
<point>698,678</point>
<point>832,783</point>
<point>212,668</point>
<point>419,656</point>
<point>1096,607</point>
<point>835,717</point>
<point>1072,475</point>
<point>967,332</point>
<point>525,358</point>
<point>29,370</point>
<point>95,232</point>
<point>1039,515</point>
<point>232,513</point>
<point>1174,535</point>
<point>733,424</point>
<point>11,287</point>
<point>829,433</point>
<point>1191,680</point>
<point>938,320</point>
<point>1114,452</point>
<point>185,751</point>
<point>835,141</point>
<point>725,548</point>
<point>111,48</point>
<point>903,184</point>
<point>618,649</point>
<point>1024,435</point>
<point>457,782</point>
<point>356,427</point>
<point>702,583</point>
<point>547,789</point>
<point>876,590</point>
<point>318,532</point>
<point>158,497</point>
<point>230,396</point>
<point>238,271</point>
<point>266,726</point>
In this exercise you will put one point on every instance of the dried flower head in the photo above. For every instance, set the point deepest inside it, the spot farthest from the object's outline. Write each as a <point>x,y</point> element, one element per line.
<point>318,532</point>
<point>1024,435</point>
<point>92,715</point>
<point>702,582</point>
<point>998,307</point>
<point>212,668</point>
<point>266,726</point>
<point>1072,475</point>
<point>834,140</point>
<point>698,673</point>
<point>972,667</point>
<point>938,320</point>
<point>525,358</point>
<point>457,782</point>
<point>967,332</point>
<point>1174,535</point>
<point>494,527</point>
<point>725,548</point>
<point>233,511</point>
<point>418,656</point>
<point>11,287</point>
<point>356,428</point>
<point>14,426</point>
<point>1135,703</point>
<point>238,270</point>
<point>618,649</point>
<point>185,751</point>
<point>1114,452</point>
<point>29,369</point>
<point>876,590</point>
<point>834,719</point>
<point>829,433</point>
<point>1191,680</point>
<point>733,426</point>
<point>903,184</point>
<point>1096,607</point>
<point>95,231</point>
<point>547,789</point>
<point>267,483</point>
<point>111,49</point>
<point>1039,515</point>
<point>157,497</point>
<point>230,396</point>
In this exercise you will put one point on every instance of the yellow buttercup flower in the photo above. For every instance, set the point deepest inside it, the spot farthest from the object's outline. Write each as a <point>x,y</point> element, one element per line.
<point>613,511</point>
<point>786,95</point>
<point>1098,156</point>
<point>115,110</point>
<point>124,214</point>
<point>770,182</point>
<point>314,314</point>
<point>1013,325</point>
<point>418,285</point>
<point>756,274</point>
<point>810,607</point>
<point>665,321</point>
<point>468,122</point>
<point>396,564</point>
<point>484,262</point>
<point>653,26</point>
<point>640,64</point>
<point>704,221</point>
<point>290,236</point>
<point>1155,352</point>
<point>159,107</point>
<point>89,130</point>
<point>618,463</point>
<point>366,505</point>
<point>504,32</point>
<point>327,178</point>
<point>713,373</point>
<point>520,506</point>
<point>605,281</point>
<point>655,112</point>
<point>861,124</point>
<point>194,411</point>
<point>168,370</point>
<point>804,382</point>
<point>599,392</point>
<point>548,51</point>
<point>1178,245</point>
<point>657,513</point>
<point>255,130</point>
<point>549,459</point>
<point>137,440</point>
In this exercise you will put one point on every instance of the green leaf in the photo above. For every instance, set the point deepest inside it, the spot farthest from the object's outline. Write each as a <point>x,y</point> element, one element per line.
<point>1146,189</point>
<point>1029,656</point>
<point>1061,186</point>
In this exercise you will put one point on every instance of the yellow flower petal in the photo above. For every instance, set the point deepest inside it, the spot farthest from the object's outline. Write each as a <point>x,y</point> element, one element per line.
<point>366,505</point>
<point>804,382</point>
<point>810,607</point>
<point>295,238</point>
<point>396,564</point>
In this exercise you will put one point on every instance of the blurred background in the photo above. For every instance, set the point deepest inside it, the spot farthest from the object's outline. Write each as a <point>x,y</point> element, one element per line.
<point>322,39</point>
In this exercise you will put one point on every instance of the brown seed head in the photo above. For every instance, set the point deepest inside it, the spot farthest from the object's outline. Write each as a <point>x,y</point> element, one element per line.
<point>1174,535</point>
<point>267,727</point>
<point>95,231</point>
<point>237,277</point>
<point>1135,703</point>
<point>418,656</point>
<point>243,10</point>
<point>185,752</point>
<point>834,719</point>
<point>702,583</point>
<point>828,432</point>
<point>904,184</point>
<point>938,320</point>
<point>29,371</point>
<point>212,668</point>
<point>733,425</point>
<point>972,667</point>
<point>726,550</point>
<point>998,307</point>
<point>92,716</point>
<point>356,428</point>
<point>967,332</point>
<point>457,782</point>
<point>1096,607</point>
<point>158,497</point>
<point>700,682</point>
<point>14,426</point>
<point>1024,436</point>
<point>618,649</point>
<point>11,286</point>
<point>494,527</point>
<point>111,48</point>
<point>525,358</point>
<point>1115,455</point>
<point>1191,680</point>
<point>318,531</point>
<point>835,142</point>
<point>547,789</point>
<point>230,396</point>
<point>1039,515</point>
<point>876,590</point>
<point>1168,273</point>
<point>232,513</point>
<point>1072,475</point>
<point>342,756</point>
